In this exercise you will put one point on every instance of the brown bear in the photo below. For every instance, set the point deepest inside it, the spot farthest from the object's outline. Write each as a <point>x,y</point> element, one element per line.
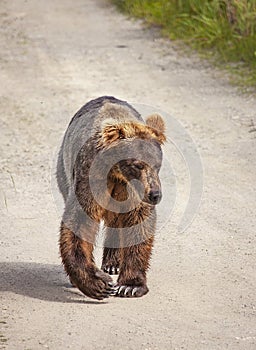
<point>107,171</point>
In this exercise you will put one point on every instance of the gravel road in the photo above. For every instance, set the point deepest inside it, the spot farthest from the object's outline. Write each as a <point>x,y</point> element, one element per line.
<point>54,57</point>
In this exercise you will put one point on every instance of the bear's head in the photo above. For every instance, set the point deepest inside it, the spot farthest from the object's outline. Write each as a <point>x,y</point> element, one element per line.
<point>134,149</point>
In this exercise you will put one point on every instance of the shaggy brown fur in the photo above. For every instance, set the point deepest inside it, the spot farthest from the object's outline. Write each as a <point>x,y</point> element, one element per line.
<point>129,151</point>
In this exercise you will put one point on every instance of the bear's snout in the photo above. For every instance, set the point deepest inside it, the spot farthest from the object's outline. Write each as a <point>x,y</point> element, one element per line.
<point>155,196</point>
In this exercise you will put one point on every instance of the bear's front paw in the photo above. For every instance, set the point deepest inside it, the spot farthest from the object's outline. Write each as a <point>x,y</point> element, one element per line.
<point>126,291</point>
<point>110,269</point>
<point>97,286</point>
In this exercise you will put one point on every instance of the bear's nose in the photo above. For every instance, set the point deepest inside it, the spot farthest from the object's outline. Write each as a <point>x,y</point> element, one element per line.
<point>155,196</point>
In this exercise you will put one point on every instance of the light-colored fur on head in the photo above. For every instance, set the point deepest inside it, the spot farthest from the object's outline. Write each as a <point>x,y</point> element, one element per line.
<point>113,130</point>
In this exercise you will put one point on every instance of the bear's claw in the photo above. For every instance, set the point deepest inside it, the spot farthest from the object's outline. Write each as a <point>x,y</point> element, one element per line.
<point>111,270</point>
<point>129,291</point>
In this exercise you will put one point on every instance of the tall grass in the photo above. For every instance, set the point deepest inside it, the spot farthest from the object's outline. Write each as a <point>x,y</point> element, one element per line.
<point>223,29</point>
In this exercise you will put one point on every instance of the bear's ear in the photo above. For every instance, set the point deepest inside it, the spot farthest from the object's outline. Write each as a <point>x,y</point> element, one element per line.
<point>111,132</point>
<point>156,122</point>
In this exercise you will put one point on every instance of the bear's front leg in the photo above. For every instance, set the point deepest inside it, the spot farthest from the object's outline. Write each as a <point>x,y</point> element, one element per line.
<point>135,262</point>
<point>77,258</point>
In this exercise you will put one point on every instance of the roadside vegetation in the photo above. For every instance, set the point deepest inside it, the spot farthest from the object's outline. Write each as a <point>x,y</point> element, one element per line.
<point>223,30</point>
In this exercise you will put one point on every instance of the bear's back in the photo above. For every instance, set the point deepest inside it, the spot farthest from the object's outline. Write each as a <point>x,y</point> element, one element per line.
<point>94,112</point>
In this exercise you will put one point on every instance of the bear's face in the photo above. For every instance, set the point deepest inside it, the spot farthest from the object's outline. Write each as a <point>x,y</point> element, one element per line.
<point>134,149</point>
<point>145,171</point>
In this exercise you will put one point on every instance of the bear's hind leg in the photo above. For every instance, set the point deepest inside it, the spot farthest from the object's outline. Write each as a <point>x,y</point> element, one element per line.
<point>111,253</point>
<point>111,261</point>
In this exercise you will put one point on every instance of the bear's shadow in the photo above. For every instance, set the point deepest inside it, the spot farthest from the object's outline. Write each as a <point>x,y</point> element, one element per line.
<point>40,281</point>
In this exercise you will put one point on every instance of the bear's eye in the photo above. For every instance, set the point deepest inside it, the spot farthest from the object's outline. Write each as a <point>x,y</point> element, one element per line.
<point>138,165</point>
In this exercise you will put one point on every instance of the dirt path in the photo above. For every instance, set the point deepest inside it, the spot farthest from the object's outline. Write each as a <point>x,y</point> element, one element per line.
<point>55,56</point>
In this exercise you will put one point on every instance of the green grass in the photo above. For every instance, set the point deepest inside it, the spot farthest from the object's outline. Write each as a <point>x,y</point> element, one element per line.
<point>224,30</point>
